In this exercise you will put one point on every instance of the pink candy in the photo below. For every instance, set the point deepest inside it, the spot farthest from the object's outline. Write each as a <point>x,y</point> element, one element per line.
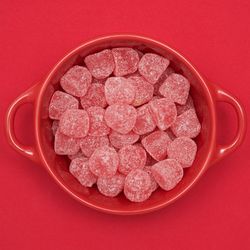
<point>74,123</point>
<point>119,90</point>
<point>79,168</point>
<point>176,88</point>
<point>111,186</point>
<point>167,173</point>
<point>89,144</point>
<point>76,81</point>
<point>65,145</point>
<point>137,186</point>
<point>131,157</point>
<point>182,149</point>
<point>100,64</point>
<point>60,102</point>
<point>151,67</point>
<point>94,97</point>
<point>186,124</point>
<point>143,90</point>
<point>104,162</point>
<point>97,124</point>
<point>156,144</point>
<point>126,61</point>
<point>164,112</point>
<point>132,132</point>
<point>120,140</point>
<point>120,117</point>
<point>144,121</point>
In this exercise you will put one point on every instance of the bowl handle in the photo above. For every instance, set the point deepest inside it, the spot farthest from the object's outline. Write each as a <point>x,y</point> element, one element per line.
<point>29,96</point>
<point>222,150</point>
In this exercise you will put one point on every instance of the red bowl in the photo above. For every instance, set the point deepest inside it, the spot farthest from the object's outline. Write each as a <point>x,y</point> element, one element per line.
<point>205,96</point>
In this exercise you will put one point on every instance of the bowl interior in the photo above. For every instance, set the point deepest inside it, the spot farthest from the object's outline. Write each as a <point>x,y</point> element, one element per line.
<point>58,165</point>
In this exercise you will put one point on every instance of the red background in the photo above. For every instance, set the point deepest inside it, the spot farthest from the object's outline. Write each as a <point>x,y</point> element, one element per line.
<point>35,213</point>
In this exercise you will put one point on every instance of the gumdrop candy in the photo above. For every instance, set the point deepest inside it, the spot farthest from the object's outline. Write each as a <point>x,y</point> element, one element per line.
<point>126,61</point>
<point>186,124</point>
<point>154,184</point>
<point>120,117</point>
<point>131,157</point>
<point>176,88</point>
<point>118,140</point>
<point>119,90</point>
<point>94,97</point>
<point>60,102</point>
<point>104,162</point>
<point>89,144</point>
<point>151,67</point>
<point>143,90</point>
<point>167,173</point>
<point>164,112</point>
<point>100,64</point>
<point>97,124</point>
<point>137,186</point>
<point>79,168</point>
<point>188,105</point>
<point>156,144</point>
<point>74,123</point>
<point>76,81</point>
<point>65,145</point>
<point>183,149</point>
<point>144,121</point>
<point>111,186</point>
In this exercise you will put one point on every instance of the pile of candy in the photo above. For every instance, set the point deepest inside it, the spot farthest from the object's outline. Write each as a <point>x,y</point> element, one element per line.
<point>126,121</point>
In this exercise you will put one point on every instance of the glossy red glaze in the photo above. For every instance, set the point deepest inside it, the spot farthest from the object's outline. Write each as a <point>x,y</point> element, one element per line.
<point>205,96</point>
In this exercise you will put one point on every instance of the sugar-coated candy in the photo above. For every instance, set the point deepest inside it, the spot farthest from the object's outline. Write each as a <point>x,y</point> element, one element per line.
<point>167,173</point>
<point>182,149</point>
<point>54,127</point>
<point>162,78</point>
<point>104,162</point>
<point>120,117</point>
<point>119,90</point>
<point>176,88</point>
<point>151,67</point>
<point>131,157</point>
<point>74,123</point>
<point>154,184</point>
<point>144,121</point>
<point>97,124</point>
<point>137,186</point>
<point>156,144</point>
<point>100,64</point>
<point>94,97</point>
<point>89,144</point>
<point>79,168</point>
<point>111,186</point>
<point>126,61</point>
<point>60,102</point>
<point>79,154</point>
<point>65,145</point>
<point>76,81</point>
<point>164,112</point>
<point>119,140</point>
<point>186,124</point>
<point>188,105</point>
<point>143,90</point>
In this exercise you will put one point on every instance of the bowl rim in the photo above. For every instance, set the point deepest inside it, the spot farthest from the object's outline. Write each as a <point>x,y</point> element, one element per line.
<point>139,38</point>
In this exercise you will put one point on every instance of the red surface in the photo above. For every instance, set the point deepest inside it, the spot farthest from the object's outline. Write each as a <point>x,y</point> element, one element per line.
<point>34,210</point>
